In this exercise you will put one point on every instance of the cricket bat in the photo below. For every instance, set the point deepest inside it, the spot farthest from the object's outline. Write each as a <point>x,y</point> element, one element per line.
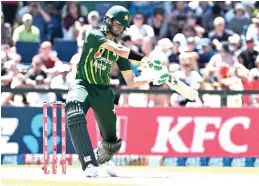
<point>182,88</point>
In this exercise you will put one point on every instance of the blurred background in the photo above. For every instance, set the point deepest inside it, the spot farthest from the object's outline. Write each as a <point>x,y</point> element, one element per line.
<point>211,46</point>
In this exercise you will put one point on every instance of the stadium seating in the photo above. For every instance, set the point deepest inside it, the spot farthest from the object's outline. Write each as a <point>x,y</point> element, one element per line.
<point>65,49</point>
<point>27,50</point>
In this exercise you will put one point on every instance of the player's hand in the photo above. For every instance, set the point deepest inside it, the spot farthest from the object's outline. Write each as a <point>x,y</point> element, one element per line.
<point>162,76</point>
<point>152,64</point>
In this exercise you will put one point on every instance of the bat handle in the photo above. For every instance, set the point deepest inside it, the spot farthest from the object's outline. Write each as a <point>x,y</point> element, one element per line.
<point>172,79</point>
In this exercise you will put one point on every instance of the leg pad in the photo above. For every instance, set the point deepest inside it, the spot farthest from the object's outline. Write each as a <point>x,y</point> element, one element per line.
<point>76,124</point>
<point>106,150</point>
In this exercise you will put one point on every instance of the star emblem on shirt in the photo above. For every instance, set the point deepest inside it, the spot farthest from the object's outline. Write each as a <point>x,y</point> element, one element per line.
<point>126,17</point>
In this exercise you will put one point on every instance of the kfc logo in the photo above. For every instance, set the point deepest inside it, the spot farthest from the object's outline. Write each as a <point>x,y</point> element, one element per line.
<point>169,130</point>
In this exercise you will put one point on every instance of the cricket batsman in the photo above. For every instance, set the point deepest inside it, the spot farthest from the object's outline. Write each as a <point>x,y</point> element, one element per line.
<point>91,88</point>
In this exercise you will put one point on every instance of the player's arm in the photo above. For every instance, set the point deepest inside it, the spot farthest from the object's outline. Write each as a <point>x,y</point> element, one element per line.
<point>97,39</point>
<point>133,81</point>
<point>123,51</point>
<point>128,75</point>
<point>211,67</point>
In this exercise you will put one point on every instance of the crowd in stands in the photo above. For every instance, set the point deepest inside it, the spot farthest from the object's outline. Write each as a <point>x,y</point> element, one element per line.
<point>208,45</point>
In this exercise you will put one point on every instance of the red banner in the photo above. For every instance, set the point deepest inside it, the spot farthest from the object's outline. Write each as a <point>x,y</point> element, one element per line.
<point>185,132</point>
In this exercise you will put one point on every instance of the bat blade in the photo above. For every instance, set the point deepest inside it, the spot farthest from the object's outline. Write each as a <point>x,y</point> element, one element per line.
<point>182,89</point>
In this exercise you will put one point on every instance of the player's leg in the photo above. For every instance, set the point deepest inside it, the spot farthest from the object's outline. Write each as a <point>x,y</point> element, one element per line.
<point>76,107</point>
<point>111,144</point>
<point>103,108</point>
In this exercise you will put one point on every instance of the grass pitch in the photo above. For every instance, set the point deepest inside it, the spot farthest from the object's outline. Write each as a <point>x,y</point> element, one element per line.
<point>131,175</point>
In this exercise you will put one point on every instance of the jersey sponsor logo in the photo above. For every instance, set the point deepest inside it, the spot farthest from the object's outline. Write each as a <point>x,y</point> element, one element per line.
<point>99,65</point>
<point>97,55</point>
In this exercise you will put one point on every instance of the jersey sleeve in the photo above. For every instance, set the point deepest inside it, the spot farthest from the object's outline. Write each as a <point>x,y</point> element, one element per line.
<point>124,64</point>
<point>95,38</point>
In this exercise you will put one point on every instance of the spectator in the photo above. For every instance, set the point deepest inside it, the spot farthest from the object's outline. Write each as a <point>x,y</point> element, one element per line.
<point>220,33</point>
<point>147,46</point>
<point>172,26</point>
<point>205,53</point>
<point>192,20</point>
<point>162,51</point>
<point>61,81</point>
<point>255,8</point>
<point>36,70</point>
<point>220,59</point>
<point>9,8</point>
<point>12,77</point>
<point>205,6</point>
<point>181,13</point>
<point>230,14</point>
<point>210,15</point>
<point>235,43</point>
<point>248,55</point>
<point>239,22</point>
<point>200,31</point>
<point>37,99</point>
<point>8,53</point>
<point>9,71</point>
<point>70,29</point>
<point>253,30</point>
<point>83,9</point>
<point>224,6</point>
<point>158,100</point>
<point>189,76</point>
<point>146,7</point>
<point>55,20</point>
<point>26,32</point>
<point>139,30</point>
<point>93,20</point>
<point>40,18</point>
<point>158,23</point>
<point>180,42</point>
<point>193,58</point>
<point>191,45</point>
<point>49,60</point>
<point>6,32</point>
<point>254,81</point>
<point>174,53</point>
<point>189,31</point>
<point>126,40</point>
<point>254,72</point>
<point>196,8</point>
<point>228,80</point>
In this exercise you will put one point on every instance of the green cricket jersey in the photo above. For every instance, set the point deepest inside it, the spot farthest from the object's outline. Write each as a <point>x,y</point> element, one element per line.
<point>95,62</point>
